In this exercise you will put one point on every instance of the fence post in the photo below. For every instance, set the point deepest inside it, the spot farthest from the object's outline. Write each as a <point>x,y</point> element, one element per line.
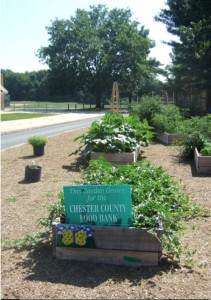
<point>75,106</point>
<point>83,105</point>
<point>68,106</point>
<point>14,106</point>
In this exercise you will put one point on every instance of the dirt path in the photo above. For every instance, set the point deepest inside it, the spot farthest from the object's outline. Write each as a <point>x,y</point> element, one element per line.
<point>36,275</point>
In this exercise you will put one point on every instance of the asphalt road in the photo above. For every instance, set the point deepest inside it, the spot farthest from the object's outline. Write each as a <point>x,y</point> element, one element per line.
<point>18,138</point>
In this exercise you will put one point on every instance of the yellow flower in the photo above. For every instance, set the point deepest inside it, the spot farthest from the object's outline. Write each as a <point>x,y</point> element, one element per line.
<point>67,237</point>
<point>80,238</point>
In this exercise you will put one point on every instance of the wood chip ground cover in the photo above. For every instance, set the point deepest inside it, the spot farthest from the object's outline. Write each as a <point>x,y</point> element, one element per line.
<point>36,275</point>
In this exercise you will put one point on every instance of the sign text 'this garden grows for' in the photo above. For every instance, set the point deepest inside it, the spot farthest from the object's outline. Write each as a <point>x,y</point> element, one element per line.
<point>101,205</point>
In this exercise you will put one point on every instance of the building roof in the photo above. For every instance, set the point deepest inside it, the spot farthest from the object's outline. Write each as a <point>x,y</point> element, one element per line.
<point>3,90</point>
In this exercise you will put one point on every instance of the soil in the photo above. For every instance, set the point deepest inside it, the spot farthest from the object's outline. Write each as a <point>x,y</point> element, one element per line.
<point>34,274</point>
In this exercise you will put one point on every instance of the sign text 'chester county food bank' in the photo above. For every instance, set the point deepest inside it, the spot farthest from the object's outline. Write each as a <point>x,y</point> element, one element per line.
<point>101,205</point>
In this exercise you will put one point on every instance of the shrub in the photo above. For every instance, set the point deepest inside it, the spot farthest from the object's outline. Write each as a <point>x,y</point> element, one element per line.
<point>197,132</point>
<point>147,108</point>
<point>195,139</point>
<point>198,124</point>
<point>168,120</point>
<point>206,149</point>
<point>38,140</point>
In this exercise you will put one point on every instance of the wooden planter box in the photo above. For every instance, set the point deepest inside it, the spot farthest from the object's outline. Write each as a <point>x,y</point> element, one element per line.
<point>203,163</point>
<point>168,138</point>
<point>127,246</point>
<point>118,158</point>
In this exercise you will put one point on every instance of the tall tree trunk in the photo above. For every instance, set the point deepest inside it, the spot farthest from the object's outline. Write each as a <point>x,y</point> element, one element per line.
<point>98,97</point>
<point>208,101</point>
<point>130,98</point>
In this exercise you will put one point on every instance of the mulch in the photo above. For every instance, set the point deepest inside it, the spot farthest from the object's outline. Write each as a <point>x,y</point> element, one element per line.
<point>34,274</point>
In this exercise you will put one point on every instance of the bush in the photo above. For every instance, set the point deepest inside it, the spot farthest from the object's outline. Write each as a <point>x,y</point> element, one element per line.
<point>169,120</point>
<point>195,139</point>
<point>206,150</point>
<point>147,108</point>
<point>38,140</point>
<point>197,132</point>
<point>198,124</point>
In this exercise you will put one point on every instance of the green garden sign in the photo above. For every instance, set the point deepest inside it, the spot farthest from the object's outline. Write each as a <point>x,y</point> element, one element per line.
<point>101,205</point>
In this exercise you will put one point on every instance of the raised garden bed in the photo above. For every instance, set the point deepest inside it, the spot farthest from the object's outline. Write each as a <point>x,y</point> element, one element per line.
<point>117,158</point>
<point>112,245</point>
<point>116,138</point>
<point>203,163</point>
<point>168,138</point>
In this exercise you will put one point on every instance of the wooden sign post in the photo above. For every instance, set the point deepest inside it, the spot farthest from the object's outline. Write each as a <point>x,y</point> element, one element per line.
<point>115,97</point>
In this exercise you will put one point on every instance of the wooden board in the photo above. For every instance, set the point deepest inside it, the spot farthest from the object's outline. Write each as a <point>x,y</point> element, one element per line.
<point>117,158</point>
<point>203,163</point>
<point>167,138</point>
<point>114,257</point>
<point>114,245</point>
<point>126,238</point>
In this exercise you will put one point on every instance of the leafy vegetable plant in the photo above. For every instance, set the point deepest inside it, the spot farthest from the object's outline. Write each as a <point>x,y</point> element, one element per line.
<point>147,108</point>
<point>168,120</point>
<point>156,202</point>
<point>197,132</point>
<point>206,150</point>
<point>156,198</point>
<point>115,134</point>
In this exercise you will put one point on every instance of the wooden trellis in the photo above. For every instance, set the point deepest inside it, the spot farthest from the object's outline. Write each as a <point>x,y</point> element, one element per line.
<point>115,98</point>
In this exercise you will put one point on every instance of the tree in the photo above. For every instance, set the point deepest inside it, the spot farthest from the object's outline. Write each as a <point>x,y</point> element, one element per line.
<point>96,47</point>
<point>26,86</point>
<point>190,20</point>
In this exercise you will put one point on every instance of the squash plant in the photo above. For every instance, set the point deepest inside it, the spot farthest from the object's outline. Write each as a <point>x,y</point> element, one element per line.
<point>157,201</point>
<point>115,134</point>
<point>156,198</point>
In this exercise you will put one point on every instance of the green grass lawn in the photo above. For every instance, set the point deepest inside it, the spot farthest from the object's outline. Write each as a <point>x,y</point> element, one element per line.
<point>46,105</point>
<point>18,116</point>
<point>61,105</point>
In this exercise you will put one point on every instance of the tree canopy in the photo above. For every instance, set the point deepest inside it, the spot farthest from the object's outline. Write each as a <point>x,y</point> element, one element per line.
<point>26,86</point>
<point>190,20</point>
<point>94,48</point>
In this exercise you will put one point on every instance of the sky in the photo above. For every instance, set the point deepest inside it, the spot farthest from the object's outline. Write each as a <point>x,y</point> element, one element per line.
<point>23,27</point>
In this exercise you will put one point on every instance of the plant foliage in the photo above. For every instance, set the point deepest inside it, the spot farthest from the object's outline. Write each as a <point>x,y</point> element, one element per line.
<point>38,140</point>
<point>147,108</point>
<point>96,47</point>
<point>169,119</point>
<point>156,198</point>
<point>157,202</point>
<point>197,132</point>
<point>190,21</point>
<point>115,134</point>
<point>206,150</point>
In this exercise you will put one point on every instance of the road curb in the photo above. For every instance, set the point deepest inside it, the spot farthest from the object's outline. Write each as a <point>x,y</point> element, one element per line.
<point>39,125</point>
